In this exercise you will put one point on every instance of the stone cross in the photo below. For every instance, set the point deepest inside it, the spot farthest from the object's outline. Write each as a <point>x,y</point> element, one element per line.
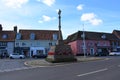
<point>60,39</point>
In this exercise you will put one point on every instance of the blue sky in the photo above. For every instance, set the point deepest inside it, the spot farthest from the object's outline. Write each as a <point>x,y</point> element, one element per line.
<point>96,15</point>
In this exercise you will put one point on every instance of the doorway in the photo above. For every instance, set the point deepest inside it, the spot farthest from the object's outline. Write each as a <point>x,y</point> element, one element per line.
<point>92,51</point>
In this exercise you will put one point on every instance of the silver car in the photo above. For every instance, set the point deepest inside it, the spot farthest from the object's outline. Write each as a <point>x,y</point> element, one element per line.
<point>115,53</point>
<point>17,56</point>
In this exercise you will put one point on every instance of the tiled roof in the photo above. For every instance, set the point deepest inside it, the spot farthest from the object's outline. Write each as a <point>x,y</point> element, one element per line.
<point>91,36</point>
<point>7,36</point>
<point>39,34</point>
<point>117,33</point>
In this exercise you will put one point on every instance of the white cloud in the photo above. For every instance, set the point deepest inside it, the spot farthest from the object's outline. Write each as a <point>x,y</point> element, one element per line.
<point>14,3</point>
<point>80,7</point>
<point>40,21</point>
<point>88,16</point>
<point>46,19</point>
<point>91,18</point>
<point>47,2</point>
<point>96,21</point>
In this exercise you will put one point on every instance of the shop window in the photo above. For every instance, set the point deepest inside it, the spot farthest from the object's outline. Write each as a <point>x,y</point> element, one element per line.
<point>90,44</point>
<point>39,51</point>
<point>105,44</point>
<point>3,44</point>
<point>99,50</point>
<point>23,44</point>
<point>17,44</point>
<point>98,43</point>
<point>50,44</point>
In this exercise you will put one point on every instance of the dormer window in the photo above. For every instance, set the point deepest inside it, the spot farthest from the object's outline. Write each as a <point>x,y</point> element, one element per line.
<point>55,36</point>
<point>103,36</point>
<point>32,36</point>
<point>18,36</point>
<point>4,36</point>
<point>83,35</point>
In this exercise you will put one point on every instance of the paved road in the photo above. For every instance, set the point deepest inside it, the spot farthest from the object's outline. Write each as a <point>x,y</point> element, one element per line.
<point>95,70</point>
<point>12,64</point>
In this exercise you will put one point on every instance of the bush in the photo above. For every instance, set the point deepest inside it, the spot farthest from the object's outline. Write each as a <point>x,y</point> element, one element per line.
<point>61,60</point>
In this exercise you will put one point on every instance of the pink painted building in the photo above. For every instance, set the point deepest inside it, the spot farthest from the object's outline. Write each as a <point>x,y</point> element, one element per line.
<point>96,43</point>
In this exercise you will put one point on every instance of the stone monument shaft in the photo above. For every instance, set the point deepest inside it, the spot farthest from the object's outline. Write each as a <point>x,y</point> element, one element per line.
<point>60,38</point>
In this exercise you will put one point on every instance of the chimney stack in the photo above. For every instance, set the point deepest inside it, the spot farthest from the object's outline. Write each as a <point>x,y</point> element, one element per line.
<point>0,27</point>
<point>15,29</point>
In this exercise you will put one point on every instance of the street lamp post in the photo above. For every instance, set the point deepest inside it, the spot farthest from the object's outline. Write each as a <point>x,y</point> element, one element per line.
<point>84,46</point>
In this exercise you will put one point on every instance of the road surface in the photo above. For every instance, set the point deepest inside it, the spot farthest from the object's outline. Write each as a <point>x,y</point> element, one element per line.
<point>108,69</point>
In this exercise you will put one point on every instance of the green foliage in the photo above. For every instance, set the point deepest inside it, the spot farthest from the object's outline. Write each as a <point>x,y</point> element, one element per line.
<point>61,60</point>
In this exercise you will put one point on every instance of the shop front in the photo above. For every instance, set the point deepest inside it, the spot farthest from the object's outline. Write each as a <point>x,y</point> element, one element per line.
<point>22,50</point>
<point>3,52</point>
<point>103,50</point>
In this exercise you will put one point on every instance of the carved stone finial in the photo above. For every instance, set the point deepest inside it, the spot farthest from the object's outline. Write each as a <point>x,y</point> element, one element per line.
<point>59,12</point>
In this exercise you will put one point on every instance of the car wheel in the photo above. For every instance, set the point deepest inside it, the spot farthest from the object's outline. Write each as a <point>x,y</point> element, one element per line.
<point>11,57</point>
<point>20,57</point>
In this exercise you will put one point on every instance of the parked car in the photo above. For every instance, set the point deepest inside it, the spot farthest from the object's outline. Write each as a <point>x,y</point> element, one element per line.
<point>115,53</point>
<point>102,54</point>
<point>39,55</point>
<point>17,56</point>
<point>38,52</point>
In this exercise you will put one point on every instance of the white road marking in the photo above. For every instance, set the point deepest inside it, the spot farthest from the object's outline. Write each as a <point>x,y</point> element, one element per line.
<point>93,72</point>
<point>16,69</point>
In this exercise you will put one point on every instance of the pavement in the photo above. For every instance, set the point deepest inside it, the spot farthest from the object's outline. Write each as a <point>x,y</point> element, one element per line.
<point>44,63</point>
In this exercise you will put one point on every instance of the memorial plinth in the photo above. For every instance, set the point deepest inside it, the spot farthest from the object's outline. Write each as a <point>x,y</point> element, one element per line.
<point>60,52</point>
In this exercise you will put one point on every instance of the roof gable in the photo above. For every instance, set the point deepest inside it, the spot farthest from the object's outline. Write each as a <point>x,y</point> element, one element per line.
<point>116,33</point>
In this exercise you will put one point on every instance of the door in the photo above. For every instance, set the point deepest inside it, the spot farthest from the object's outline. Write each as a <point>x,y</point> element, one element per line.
<point>91,51</point>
